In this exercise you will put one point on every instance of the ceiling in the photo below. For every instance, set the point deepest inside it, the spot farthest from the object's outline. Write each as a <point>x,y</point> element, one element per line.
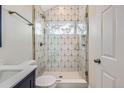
<point>47,7</point>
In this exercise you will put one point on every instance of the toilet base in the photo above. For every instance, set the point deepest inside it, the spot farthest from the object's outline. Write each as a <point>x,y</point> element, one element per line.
<point>52,86</point>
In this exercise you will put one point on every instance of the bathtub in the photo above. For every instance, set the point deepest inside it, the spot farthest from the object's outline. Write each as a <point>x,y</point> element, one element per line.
<point>68,79</point>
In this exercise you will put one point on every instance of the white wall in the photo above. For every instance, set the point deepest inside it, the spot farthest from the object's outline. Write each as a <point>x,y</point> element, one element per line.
<point>17,35</point>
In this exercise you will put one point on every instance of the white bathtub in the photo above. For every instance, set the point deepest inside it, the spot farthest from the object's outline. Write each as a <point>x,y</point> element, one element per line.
<point>68,79</point>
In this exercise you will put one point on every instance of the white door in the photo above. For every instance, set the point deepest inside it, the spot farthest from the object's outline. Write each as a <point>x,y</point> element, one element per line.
<point>106,46</point>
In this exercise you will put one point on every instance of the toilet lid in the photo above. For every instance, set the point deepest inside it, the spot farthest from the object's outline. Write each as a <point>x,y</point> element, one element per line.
<point>45,81</point>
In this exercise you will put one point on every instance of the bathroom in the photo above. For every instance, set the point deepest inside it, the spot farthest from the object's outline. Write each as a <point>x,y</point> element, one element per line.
<point>61,46</point>
<point>55,39</point>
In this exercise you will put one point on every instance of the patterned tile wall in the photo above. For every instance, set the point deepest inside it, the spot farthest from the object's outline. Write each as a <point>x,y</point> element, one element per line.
<point>63,54</point>
<point>66,13</point>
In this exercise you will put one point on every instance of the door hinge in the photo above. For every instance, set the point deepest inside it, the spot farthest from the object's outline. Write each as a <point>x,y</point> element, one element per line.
<point>86,73</point>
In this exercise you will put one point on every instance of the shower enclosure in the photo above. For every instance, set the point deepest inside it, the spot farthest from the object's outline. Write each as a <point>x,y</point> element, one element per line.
<point>65,39</point>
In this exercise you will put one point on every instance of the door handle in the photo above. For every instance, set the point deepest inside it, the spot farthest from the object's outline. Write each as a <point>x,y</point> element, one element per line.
<point>98,61</point>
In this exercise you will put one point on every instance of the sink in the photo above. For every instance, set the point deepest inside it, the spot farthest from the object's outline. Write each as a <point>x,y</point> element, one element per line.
<point>6,74</point>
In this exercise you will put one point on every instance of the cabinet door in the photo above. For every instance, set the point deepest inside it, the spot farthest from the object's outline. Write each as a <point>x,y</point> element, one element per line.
<point>27,82</point>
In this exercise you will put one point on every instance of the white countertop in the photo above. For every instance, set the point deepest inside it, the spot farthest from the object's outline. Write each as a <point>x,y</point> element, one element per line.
<point>15,79</point>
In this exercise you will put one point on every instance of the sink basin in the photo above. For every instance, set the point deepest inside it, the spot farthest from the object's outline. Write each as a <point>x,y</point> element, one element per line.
<point>6,74</point>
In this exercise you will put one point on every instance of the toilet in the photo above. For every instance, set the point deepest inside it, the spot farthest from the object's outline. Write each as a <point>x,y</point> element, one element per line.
<point>46,81</point>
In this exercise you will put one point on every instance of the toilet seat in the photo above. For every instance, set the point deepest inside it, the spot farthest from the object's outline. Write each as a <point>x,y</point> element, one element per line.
<point>45,81</point>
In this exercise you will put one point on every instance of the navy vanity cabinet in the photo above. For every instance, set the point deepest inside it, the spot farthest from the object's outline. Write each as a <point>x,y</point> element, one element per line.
<point>27,82</point>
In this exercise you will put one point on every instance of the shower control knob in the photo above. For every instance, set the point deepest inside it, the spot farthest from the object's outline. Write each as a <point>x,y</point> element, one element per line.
<point>97,61</point>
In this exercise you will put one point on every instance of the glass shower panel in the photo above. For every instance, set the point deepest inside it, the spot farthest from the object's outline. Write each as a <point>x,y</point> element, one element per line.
<point>39,38</point>
<point>62,55</point>
<point>65,40</point>
<point>82,30</point>
<point>63,46</point>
